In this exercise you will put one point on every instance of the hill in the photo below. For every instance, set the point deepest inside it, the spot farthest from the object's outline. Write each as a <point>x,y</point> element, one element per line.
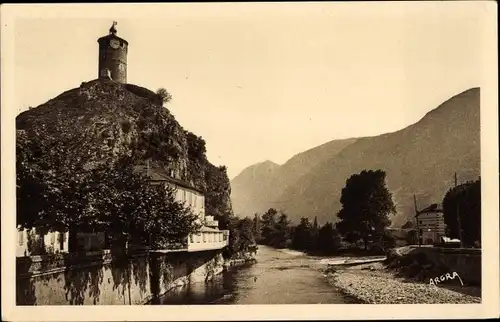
<point>258,187</point>
<point>419,159</point>
<point>102,121</point>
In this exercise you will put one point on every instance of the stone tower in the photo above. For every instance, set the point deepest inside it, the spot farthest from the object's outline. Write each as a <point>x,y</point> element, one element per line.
<point>113,56</point>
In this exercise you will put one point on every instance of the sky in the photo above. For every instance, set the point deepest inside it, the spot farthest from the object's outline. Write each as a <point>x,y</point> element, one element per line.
<point>265,81</point>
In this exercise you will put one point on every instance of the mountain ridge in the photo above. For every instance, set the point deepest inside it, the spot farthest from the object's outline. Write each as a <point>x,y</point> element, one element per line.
<point>419,159</point>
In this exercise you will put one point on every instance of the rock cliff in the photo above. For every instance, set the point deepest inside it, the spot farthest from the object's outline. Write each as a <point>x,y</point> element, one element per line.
<point>102,121</point>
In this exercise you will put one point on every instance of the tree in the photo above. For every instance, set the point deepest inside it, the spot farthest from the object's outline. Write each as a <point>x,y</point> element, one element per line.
<point>282,232</point>
<point>466,199</point>
<point>366,206</point>
<point>57,193</point>
<point>411,237</point>
<point>241,236</point>
<point>328,238</point>
<point>245,227</point>
<point>234,238</point>
<point>257,228</point>
<point>164,94</point>
<point>302,235</point>
<point>407,225</point>
<point>269,226</point>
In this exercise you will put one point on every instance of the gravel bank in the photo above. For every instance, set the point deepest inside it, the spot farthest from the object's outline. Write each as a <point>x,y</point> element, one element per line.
<point>372,284</point>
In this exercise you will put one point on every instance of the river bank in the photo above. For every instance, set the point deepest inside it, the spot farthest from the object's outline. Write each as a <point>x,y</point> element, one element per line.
<point>235,262</point>
<point>372,283</point>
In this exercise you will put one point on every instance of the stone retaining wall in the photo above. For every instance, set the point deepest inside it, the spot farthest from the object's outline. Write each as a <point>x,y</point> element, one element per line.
<point>466,262</point>
<point>109,278</point>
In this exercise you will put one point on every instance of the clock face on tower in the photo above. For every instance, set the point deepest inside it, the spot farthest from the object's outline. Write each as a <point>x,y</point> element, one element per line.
<point>114,43</point>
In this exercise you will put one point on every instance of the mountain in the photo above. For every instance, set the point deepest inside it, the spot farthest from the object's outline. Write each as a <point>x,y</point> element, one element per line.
<point>102,121</point>
<point>257,187</point>
<point>420,159</point>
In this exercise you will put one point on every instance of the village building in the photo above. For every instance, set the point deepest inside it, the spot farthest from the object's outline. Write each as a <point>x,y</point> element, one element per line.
<point>209,237</point>
<point>430,224</point>
<point>34,241</point>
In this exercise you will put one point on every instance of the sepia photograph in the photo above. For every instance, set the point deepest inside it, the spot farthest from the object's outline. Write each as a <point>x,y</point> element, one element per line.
<point>226,156</point>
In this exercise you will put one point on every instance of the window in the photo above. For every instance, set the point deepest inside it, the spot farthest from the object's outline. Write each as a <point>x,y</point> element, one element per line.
<point>191,238</point>
<point>53,238</point>
<point>204,238</point>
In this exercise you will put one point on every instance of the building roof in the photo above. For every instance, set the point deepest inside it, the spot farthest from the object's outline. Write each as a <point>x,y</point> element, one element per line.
<point>111,36</point>
<point>435,207</point>
<point>157,175</point>
<point>206,229</point>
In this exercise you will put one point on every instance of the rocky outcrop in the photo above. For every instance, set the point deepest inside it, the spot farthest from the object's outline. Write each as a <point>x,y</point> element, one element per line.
<point>102,121</point>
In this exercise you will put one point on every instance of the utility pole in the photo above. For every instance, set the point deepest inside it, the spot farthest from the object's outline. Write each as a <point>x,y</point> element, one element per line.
<point>416,218</point>
<point>458,215</point>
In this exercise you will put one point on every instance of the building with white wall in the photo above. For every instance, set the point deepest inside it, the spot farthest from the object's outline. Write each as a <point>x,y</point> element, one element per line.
<point>430,224</point>
<point>210,236</point>
<point>33,242</point>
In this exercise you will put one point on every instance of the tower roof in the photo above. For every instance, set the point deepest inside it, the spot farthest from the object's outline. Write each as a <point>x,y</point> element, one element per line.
<point>112,35</point>
<point>109,37</point>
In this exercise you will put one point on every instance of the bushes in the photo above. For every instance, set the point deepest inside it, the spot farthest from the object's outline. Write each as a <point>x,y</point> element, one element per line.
<point>415,265</point>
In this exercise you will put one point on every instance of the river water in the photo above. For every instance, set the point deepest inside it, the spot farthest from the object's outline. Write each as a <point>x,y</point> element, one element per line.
<point>278,277</point>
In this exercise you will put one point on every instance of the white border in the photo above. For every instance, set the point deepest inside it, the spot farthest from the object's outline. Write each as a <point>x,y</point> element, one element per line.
<point>489,170</point>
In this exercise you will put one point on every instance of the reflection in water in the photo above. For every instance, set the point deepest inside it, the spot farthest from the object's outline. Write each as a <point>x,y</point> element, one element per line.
<point>278,277</point>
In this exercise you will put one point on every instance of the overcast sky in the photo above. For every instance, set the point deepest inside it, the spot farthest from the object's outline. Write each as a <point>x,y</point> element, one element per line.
<point>266,81</point>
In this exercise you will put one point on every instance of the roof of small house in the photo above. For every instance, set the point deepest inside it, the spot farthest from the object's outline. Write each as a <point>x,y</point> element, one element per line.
<point>157,175</point>
<point>435,207</point>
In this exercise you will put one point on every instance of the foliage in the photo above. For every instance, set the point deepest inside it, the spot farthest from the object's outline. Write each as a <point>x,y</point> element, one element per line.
<point>241,236</point>
<point>64,194</point>
<point>466,199</point>
<point>303,236</point>
<point>164,94</point>
<point>408,224</point>
<point>329,239</point>
<point>217,194</point>
<point>196,146</point>
<point>268,229</point>
<point>306,237</point>
<point>366,204</point>
<point>275,230</point>
<point>257,228</point>
<point>411,237</point>
<point>282,232</point>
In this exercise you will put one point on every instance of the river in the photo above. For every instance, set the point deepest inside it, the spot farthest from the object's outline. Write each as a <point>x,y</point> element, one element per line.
<point>278,277</point>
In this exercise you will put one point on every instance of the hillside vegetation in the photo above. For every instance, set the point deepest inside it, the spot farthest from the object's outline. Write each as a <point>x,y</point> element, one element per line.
<point>102,122</point>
